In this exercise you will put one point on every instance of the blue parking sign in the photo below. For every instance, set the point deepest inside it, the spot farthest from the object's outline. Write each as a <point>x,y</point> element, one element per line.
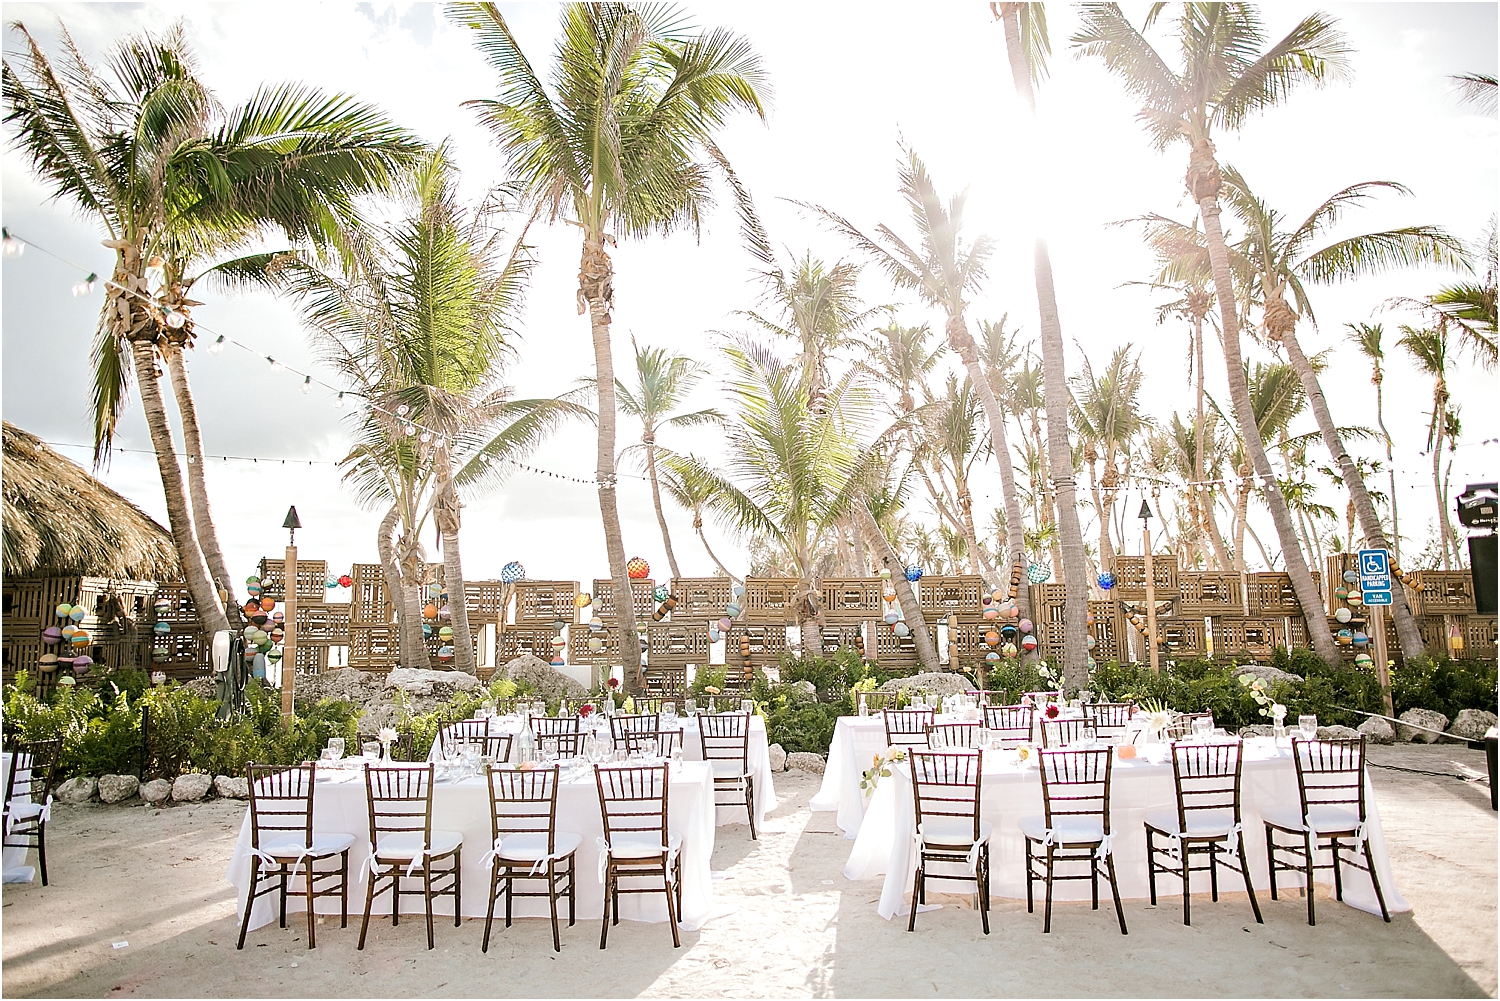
<point>1374,571</point>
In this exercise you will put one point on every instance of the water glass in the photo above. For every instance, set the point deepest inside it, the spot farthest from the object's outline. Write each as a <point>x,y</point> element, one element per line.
<point>371,749</point>
<point>651,747</point>
<point>335,747</point>
<point>326,757</point>
<point>690,706</point>
<point>549,749</point>
<point>1202,727</point>
<point>1308,725</point>
<point>669,712</point>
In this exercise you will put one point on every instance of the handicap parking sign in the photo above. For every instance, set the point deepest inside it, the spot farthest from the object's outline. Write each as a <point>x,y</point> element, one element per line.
<point>1374,570</point>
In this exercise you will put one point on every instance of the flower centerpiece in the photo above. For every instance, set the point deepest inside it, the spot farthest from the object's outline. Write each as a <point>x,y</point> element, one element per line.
<point>1052,711</point>
<point>880,768</point>
<point>586,710</point>
<point>1269,707</point>
<point>387,737</point>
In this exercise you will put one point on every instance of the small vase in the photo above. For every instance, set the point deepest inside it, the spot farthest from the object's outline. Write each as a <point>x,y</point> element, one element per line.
<point>385,752</point>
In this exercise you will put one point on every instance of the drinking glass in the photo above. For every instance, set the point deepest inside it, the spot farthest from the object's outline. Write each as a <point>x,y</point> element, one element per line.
<point>669,712</point>
<point>747,706</point>
<point>1308,725</point>
<point>650,747</point>
<point>549,749</point>
<point>371,749</point>
<point>1088,736</point>
<point>1202,727</point>
<point>336,747</point>
<point>326,757</point>
<point>690,706</point>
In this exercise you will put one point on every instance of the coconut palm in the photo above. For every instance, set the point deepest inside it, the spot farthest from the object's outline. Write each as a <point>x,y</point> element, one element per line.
<point>1227,74</point>
<point>1477,89</point>
<point>663,380</point>
<point>1027,47</point>
<point>419,324</point>
<point>694,494</point>
<point>952,437</point>
<point>621,144</point>
<point>1107,413</point>
<point>1286,259</point>
<point>142,147</point>
<point>1367,338</point>
<point>1468,308</point>
<point>943,269</point>
<point>1430,348</point>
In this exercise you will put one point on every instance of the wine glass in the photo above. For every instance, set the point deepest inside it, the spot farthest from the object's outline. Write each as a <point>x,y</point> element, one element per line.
<point>335,748</point>
<point>669,713</point>
<point>1202,727</point>
<point>1308,725</point>
<point>690,706</point>
<point>747,706</point>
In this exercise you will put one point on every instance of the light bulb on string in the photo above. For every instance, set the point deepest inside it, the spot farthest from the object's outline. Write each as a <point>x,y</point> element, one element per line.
<point>402,410</point>
<point>175,319</point>
<point>426,437</point>
<point>12,246</point>
<point>217,347</point>
<point>306,384</point>
<point>338,402</point>
<point>276,366</point>
<point>411,429</point>
<point>86,286</point>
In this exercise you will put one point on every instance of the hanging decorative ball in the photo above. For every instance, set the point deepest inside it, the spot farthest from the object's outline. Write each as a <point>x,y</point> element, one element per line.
<point>1009,650</point>
<point>1345,637</point>
<point>252,581</point>
<point>1028,643</point>
<point>732,609</point>
<point>1360,639</point>
<point>1363,660</point>
<point>901,629</point>
<point>274,654</point>
<point>661,592</point>
<point>426,630</point>
<point>992,656</point>
<point>991,637</point>
<point>713,632</point>
<point>596,624</point>
<point>158,678</point>
<point>1351,576</point>
<point>913,573</point>
<point>558,642</point>
<point>1008,609</point>
<point>1355,598</point>
<point>278,634</point>
<point>254,590</point>
<point>1341,592</point>
<point>159,653</point>
<point>891,618</point>
<point>1092,642</point>
<point>595,644</point>
<point>80,669</point>
<point>267,604</point>
<point>80,638</point>
<point>992,612</point>
<point>738,590</point>
<point>1038,573</point>
<point>433,590</point>
<point>77,613</point>
<point>445,653</point>
<point>637,568</point>
<point>51,635</point>
<point>1009,631</point>
<point>68,631</point>
<point>162,628</point>
<point>1455,640</point>
<point>1026,625</point>
<point>345,580</point>
<point>557,658</point>
<point>64,610</point>
<point>583,599</point>
<point>885,573</point>
<point>429,611</point>
<point>725,623</point>
<point>512,572</point>
<point>1106,580</point>
<point>445,613</point>
<point>445,633</point>
<point>1343,614</point>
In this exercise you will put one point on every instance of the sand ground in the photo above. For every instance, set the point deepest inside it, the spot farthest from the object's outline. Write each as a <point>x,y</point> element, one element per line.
<point>788,923</point>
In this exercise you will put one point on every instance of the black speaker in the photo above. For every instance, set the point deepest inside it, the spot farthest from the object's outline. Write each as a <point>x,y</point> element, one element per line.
<point>1482,563</point>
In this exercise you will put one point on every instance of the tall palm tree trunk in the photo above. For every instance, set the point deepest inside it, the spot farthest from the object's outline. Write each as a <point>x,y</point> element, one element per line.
<point>1241,521</point>
<point>1055,393</point>
<point>1203,182</point>
<point>698,527</point>
<point>1390,461</point>
<point>661,517</point>
<point>1436,440</point>
<point>963,345</point>
<point>596,293</point>
<point>179,518</point>
<point>203,523</point>
<point>966,508</point>
<point>391,573</point>
<point>447,512</point>
<point>886,557</point>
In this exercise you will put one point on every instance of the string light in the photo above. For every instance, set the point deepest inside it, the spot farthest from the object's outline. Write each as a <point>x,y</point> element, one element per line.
<point>306,385</point>
<point>338,401</point>
<point>276,366</point>
<point>11,246</point>
<point>86,286</point>
<point>217,347</point>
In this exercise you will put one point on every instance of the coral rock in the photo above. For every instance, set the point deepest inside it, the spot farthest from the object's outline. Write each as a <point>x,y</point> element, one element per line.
<point>117,788</point>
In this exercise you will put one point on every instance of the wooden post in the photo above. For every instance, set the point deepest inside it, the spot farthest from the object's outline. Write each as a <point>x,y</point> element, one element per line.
<point>289,629</point>
<point>1382,660</point>
<point>1151,601</point>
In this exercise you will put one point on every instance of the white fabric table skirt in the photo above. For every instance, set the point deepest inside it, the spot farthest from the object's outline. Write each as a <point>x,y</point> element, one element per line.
<point>340,806</point>
<point>758,755</point>
<point>1011,792</point>
<point>13,860</point>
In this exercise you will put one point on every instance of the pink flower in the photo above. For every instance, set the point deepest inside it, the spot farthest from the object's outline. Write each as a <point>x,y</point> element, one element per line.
<point>614,682</point>
<point>585,710</point>
<point>1053,712</point>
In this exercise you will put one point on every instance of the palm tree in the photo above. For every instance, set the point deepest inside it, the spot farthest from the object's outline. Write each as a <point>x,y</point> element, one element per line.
<point>419,324</point>
<point>177,180</point>
<point>662,380</point>
<point>1027,46</point>
<point>1477,89</point>
<point>1367,338</point>
<point>1430,349</point>
<point>1469,308</point>
<point>1107,412</point>
<point>1228,73</point>
<point>1284,262</point>
<point>616,144</point>
<point>953,438</point>
<point>692,493</point>
<point>943,269</point>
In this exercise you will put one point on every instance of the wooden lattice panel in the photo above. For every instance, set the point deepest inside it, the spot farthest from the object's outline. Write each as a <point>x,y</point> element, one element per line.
<point>667,683</point>
<point>701,597</point>
<point>1479,633</point>
<point>895,653</point>
<point>851,600</point>
<point>1130,576</point>
<point>368,601</point>
<point>545,601</point>
<point>1182,637</point>
<point>1272,594</point>
<point>516,640</point>
<point>676,644</point>
<point>771,599</point>
<point>765,646</point>
<point>322,625</point>
<point>312,579</point>
<point>435,642</point>
<point>374,646</point>
<point>1256,636</point>
<point>184,648</point>
<point>1108,630</point>
<point>1210,593</point>
<point>951,595</point>
<point>578,646</point>
<point>835,636</point>
<point>604,599</point>
<point>1444,593</point>
<point>485,601</point>
<point>1047,602</point>
<point>312,659</point>
<point>1336,564</point>
<point>178,609</point>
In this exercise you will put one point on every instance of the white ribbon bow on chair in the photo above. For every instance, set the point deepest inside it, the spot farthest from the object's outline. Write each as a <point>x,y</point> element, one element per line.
<point>604,858</point>
<point>1360,834</point>
<point>11,820</point>
<point>270,859</point>
<point>919,840</point>
<point>537,868</point>
<point>372,865</point>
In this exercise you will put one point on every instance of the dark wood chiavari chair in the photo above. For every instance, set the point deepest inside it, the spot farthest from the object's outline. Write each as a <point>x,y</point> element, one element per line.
<point>1331,787</point>
<point>496,747</point>
<point>1038,698</point>
<point>638,843</point>
<point>283,843</point>
<point>631,733</point>
<point>668,740</point>
<point>527,844</point>
<point>724,739</point>
<point>1109,719</point>
<point>941,735</point>
<point>869,703</point>
<point>1074,827</point>
<point>946,795</point>
<point>566,730</point>
<point>907,727</point>
<point>1010,725</point>
<point>1206,822</point>
<point>464,731</point>
<point>404,845</point>
<point>1062,731</point>
<point>989,696</point>
<point>28,796</point>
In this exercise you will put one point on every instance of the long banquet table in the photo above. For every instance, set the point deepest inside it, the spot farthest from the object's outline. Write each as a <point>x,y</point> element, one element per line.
<point>758,758</point>
<point>855,740</point>
<point>1013,790</point>
<point>339,806</point>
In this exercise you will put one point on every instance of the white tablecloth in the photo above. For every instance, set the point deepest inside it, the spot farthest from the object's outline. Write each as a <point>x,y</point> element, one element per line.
<point>339,806</point>
<point>13,860</point>
<point>1011,792</point>
<point>856,740</point>
<point>758,754</point>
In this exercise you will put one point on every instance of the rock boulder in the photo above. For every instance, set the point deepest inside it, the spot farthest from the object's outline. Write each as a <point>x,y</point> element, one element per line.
<point>545,682</point>
<point>938,682</point>
<point>191,787</point>
<point>1378,731</point>
<point>778,758</point>
<point>805,761</point>
<point>1258,730</point>
<point>1472,724</point>
<point>420,681</point>
<point>79,790</point>
<point>1337,732</point>
<point>117,788</point>
<point>232,787</point>
<point>156,791</point>
<point>1267,673</point>
<point>1425,718</point>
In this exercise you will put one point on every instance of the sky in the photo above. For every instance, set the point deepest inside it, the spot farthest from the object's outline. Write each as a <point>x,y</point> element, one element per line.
<point>849,83</point>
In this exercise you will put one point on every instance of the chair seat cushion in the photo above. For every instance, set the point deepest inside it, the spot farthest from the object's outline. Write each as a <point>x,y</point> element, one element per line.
<point>323,843</point>
<point>957,832</point>
<point>532,846</point>
<point>1324,819</point>
<point>638,845</point>
<point>1065,830</point>
<point>25,809</point>
<point>405,845</point>
<point>1200,823</point>
<point>731,769</point>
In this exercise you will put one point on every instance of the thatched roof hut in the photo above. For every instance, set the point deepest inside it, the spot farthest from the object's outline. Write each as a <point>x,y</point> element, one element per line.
<point>59,520</point>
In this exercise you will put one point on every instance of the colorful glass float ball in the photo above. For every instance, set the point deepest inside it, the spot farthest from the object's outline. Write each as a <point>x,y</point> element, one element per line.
<point>1092,642</point>
<point>1343,614</point>
<point>891,618</point>
<point>445,633</point>
<point>1345,637</point>
<point>637,568</point>
<point>512,572</point>
<point>725,623</point>
<point>267,604</point>
<point>1028,643</point>
<point>64,610</point>
<point>76,613</point>
<point>345,580</point>
<point>885,574</point>
<point>992,612</point>
<point>1038,573</point>
<point>1363,660</point>
<point>583,599</point>
<point>254,590</point>
<point>445,613</point>
<point>992,656</point>
<point>445,653</point>
<point>1026,625</point>
<point>661,592</point>
<point>1355,598</point>
<point>595,645</point>
<point>901,629</point>
<point>1009,650</point>
<point>162,628</point>
<point>1106,581</point>
<point>429,611</point>
<point>913,573</point>
<point>1360,639</point>
<point>51,635</point>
